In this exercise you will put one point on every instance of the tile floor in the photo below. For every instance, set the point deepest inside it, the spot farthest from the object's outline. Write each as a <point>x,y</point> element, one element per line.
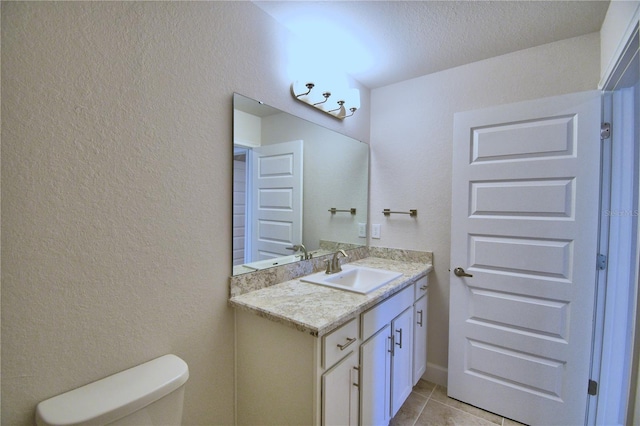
<point>429,404</point>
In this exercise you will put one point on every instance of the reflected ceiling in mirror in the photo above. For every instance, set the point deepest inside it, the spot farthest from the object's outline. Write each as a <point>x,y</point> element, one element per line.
<point>299,189</point>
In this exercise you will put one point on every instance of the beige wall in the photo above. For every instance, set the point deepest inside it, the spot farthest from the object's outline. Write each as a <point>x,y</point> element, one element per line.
<point>411,134</point>
<point>116,182</point>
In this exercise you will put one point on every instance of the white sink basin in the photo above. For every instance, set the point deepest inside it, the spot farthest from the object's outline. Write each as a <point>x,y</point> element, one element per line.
<point>358,279</point>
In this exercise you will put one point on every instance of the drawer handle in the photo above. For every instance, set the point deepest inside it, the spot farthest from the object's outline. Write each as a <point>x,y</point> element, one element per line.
<point>349,341</point>
<point>420,320</point>
<point>424,287</point>
<point>399,331</point>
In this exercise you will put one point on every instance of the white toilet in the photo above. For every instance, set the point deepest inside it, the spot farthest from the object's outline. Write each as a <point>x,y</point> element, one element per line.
<point>149,394</point>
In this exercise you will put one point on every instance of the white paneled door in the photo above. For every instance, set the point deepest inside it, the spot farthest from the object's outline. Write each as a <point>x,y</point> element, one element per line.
<point>277,199</point>
<point>525,211</point>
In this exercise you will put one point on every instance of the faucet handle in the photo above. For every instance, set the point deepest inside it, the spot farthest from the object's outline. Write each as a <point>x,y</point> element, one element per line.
<point>333,265</point>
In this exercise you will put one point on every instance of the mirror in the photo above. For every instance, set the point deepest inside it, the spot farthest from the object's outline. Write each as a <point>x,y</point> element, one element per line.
<point>288,175</point>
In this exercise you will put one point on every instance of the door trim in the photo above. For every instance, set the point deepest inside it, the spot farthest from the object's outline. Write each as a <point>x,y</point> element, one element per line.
<point>612,404</point>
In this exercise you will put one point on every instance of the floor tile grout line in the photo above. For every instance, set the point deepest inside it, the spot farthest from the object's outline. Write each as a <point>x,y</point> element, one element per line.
<point>425,394</point>
<point>429,396</point>
<point>420,412</point>
<point>432,391</point>
<point>452,406</point>
<point>466,412</point>
<point>425,405</point>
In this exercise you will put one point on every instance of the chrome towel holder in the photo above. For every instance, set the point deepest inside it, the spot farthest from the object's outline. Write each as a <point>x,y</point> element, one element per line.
<point>352,210</point>
<point>412,213</point>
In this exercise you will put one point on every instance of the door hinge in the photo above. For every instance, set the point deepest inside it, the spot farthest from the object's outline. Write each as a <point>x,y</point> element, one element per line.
<point>602,262</point>
<point>593,387</point>
<point>605,131</point>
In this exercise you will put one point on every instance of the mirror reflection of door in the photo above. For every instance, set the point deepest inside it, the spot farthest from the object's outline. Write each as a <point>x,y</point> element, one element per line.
<point>276,209</point>
<point>240,191</point>
<point>267,201</point>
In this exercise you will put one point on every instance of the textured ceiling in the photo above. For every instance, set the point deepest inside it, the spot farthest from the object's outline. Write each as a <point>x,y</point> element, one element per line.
<point>407,39</point>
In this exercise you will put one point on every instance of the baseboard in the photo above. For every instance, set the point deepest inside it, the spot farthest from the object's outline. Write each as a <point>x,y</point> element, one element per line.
<point>436,374</point>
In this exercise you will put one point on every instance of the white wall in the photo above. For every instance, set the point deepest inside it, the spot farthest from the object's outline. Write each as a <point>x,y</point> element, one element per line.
<point>246,129</point>
<point>620,21</point>
<point>622,16</point>
<point>116,187</point>
<point>411,137</point>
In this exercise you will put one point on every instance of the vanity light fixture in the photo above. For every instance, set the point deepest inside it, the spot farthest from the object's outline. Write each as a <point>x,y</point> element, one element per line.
<point>309,86</point>
<point>341,103</point>
<point>326,96</point>
<point>346,100</point>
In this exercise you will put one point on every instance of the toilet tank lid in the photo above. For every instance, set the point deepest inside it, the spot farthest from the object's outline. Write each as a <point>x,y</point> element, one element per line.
<point>116,396</point>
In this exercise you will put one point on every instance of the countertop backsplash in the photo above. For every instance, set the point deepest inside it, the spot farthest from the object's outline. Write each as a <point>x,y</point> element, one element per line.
<point>257,280</point>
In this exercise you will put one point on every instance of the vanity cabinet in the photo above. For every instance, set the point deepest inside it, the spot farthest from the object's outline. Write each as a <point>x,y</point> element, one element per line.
<point>360,373</point>
<point>339,387</point>
<point>386,357</point>
<point>401,359</point>
<point>375,379</point>
<point>340,396</point>
<point>420,311</point>
<point>287,377</point>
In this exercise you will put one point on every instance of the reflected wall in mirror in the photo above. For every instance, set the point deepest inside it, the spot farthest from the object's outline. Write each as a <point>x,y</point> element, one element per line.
<point>288,173</point>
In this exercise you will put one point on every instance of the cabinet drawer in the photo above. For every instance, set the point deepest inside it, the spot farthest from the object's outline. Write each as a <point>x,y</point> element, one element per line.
<point>339,343</point>
<point>381,314</point>
<point>421,287</point>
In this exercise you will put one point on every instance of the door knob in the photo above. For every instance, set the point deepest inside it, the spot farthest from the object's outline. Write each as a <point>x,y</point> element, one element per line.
<point>461,273</point>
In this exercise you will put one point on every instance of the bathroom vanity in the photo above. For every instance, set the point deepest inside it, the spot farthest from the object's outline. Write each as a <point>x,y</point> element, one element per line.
<point>311,354</point>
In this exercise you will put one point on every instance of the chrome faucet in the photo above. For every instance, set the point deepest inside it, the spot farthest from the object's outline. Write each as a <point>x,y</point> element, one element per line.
<point>299,247</point>
<point>333,265</point>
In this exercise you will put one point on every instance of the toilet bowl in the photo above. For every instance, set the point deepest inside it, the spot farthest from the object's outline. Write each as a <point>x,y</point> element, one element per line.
<point>148,394</point>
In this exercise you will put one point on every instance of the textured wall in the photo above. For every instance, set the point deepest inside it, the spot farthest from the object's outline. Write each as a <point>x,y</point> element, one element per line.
<point>411,134</point>
<point>116,187</point>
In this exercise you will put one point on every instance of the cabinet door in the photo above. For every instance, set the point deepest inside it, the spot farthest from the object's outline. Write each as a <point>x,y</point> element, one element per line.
<point>340,396</point>
<point>401,359</point>
<point>420,338</point>
<point>375,378</point>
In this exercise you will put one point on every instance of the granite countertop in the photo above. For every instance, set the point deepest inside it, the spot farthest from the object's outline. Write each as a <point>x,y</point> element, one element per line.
<point>316,309</point>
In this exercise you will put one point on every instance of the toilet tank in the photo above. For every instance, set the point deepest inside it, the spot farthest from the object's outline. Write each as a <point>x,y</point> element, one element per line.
<point>148,394</point>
